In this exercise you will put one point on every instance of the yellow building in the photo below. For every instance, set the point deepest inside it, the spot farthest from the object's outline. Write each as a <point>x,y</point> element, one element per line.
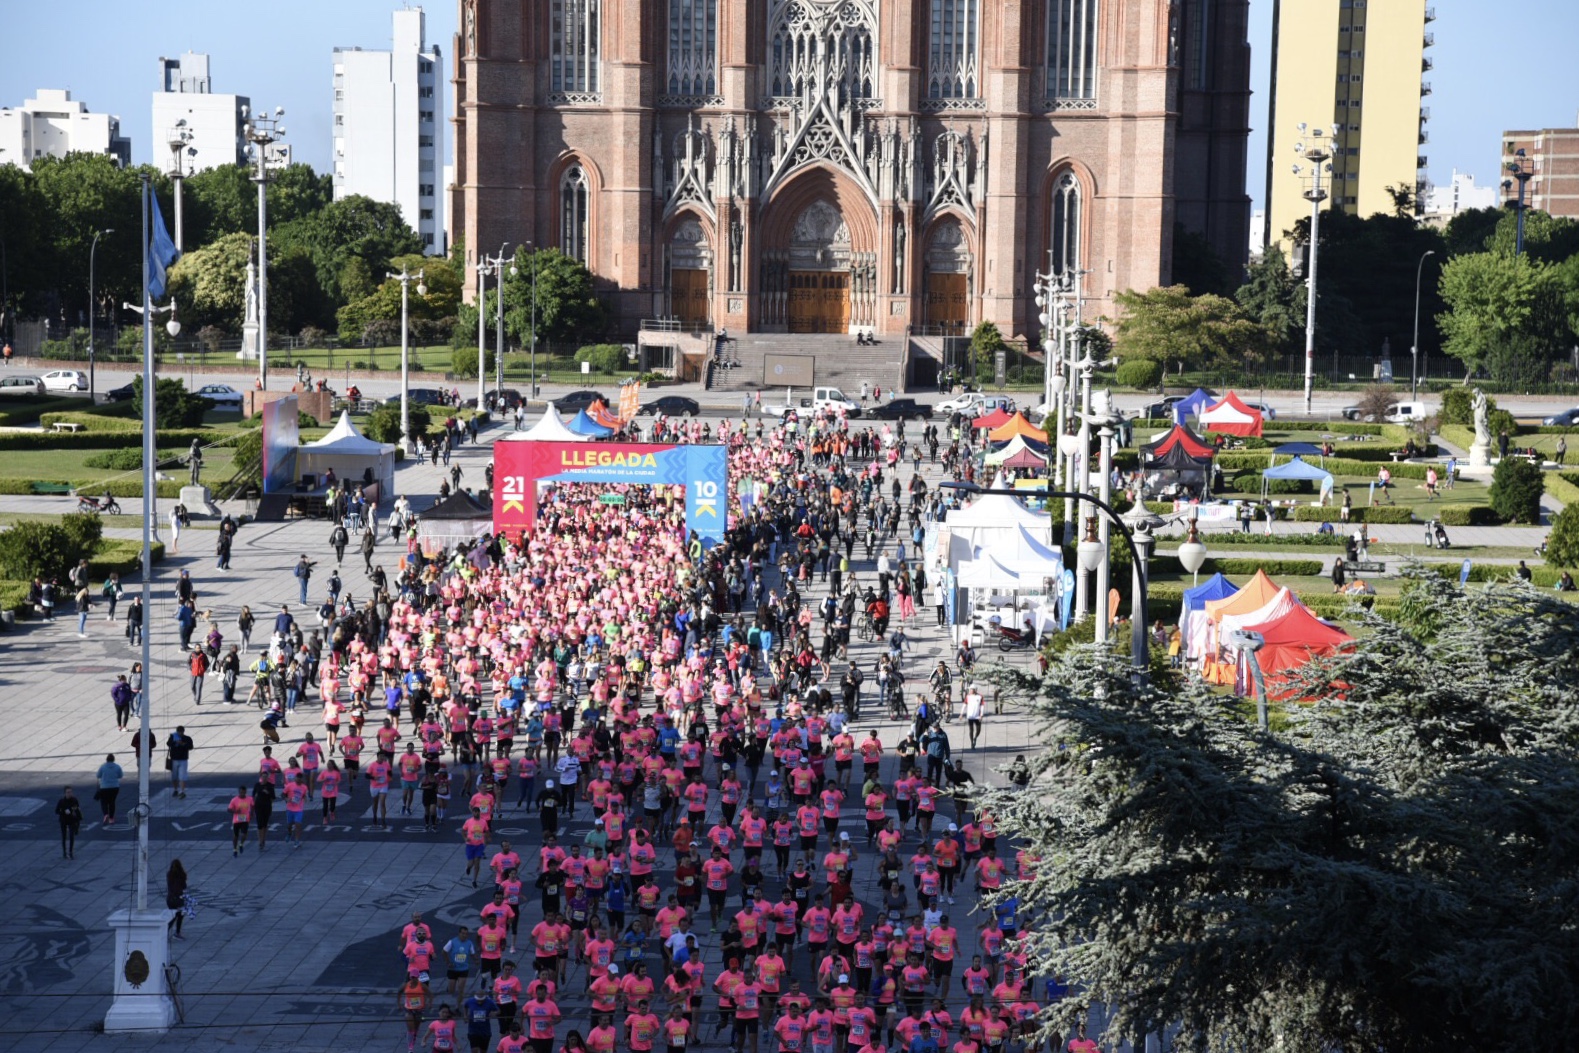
<point>1353,69</point>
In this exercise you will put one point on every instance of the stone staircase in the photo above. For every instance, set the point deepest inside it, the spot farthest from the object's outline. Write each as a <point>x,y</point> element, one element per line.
<point>840,361</point>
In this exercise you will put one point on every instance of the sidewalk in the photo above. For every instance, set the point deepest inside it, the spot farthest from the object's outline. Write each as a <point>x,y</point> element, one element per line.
<point>290,950</point>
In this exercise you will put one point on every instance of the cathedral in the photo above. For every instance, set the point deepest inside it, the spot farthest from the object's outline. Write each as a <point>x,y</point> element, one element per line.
<point>844,166</point>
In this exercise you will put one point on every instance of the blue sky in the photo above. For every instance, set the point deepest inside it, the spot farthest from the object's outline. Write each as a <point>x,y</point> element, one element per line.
<point>1498,64</point>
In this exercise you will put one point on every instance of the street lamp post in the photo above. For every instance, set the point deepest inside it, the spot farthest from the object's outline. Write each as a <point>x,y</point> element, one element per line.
<point>263,130</point>
<point>487,265</point>
<point>1414,349</point>
<point>1523,175</point>
<point>405,277</point>
<point>92,313</point>
<point>180,139</point>
<point>532,355</point>
<point>1318,157</point>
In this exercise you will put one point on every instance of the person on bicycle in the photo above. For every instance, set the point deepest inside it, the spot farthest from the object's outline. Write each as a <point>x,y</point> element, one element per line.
<point>965,657</point>
<point>942,689</point>
<point>877,607</point>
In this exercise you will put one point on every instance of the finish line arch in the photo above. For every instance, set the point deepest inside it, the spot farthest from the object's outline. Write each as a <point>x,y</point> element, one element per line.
<point>703,469</point>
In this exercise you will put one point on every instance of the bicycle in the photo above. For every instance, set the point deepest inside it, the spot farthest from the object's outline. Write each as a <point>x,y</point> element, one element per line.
<point>867,628</point>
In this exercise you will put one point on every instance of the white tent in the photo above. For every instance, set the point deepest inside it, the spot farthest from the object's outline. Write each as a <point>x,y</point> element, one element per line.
<point>1030,557</point>
<point>1275,608</point>
<point>986,573</point>
<point>350,454</point>
<point>549,428</point>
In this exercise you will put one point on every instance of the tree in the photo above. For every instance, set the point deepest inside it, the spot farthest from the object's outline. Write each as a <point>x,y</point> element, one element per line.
<point>353,227</point>
<point>1562,547</point>
<point>568,307</point>
<point>384,423</point>
<point>442,298</point>
<point>83,193</point>
<point>174,405</point>
<point>1384,872</point>
<point>1168,325</point>
<point>1196,264</point>
<point>219,201</point>
<point>1516,488</point>
<point>24,229</point>
<point>1491,295</point>
<point>1273,297</point>
<point>1548,238</point>
<point>1470,230</point>
<point>210,283</point>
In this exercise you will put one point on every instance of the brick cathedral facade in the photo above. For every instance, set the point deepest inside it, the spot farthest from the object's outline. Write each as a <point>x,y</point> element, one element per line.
<point>845,165</point>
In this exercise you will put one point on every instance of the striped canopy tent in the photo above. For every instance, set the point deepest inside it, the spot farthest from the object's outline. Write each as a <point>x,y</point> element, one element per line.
<point>1025,458</point>
<point>1256,594</point>
<point>1014,447</point>
<point>1193,623</point>
<point>1231,417</point>
<point>991,420</point>
<point>1016,425</point>
<point>1191,406</point>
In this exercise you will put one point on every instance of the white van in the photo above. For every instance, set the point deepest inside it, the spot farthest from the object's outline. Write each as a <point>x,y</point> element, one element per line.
<point>1406,412</point>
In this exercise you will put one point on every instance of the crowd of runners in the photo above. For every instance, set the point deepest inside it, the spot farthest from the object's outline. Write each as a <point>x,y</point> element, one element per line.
<point>682,730</point>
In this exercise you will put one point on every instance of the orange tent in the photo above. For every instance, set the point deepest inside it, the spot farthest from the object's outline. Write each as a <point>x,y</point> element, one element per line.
<point>1257,593</point>
<point>1016,425</point>
<point>996,418</point>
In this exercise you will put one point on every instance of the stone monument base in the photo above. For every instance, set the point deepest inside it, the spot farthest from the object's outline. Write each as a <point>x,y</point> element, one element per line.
<point>249,341</point>
<point>198,501</point>
<point>142,947</point>
<point>1480,456</point>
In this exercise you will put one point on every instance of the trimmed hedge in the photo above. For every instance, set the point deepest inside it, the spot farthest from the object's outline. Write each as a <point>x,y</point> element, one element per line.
<point>1564,486</point>
<point>92,421</point>
<point>120,556</point>
<point>93,487</point>
<point>170,438</point>
<point>1544,577</point>
<point>1468,515</point>
<point>1291,568</point>
<point>1336,465</point>
<point>19,416</point>
<point>1357,514</point>
<point>1239,539</point>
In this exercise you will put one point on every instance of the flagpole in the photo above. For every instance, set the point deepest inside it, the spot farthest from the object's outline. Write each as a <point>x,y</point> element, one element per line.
<point>150,492</point>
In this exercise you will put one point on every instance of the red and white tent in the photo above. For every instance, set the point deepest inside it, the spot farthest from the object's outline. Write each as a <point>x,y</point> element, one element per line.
<point>1231,417</point>
<point>1293,639</point>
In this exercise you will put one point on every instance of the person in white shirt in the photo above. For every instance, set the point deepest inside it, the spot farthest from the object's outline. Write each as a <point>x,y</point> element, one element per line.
<point>975,706</point>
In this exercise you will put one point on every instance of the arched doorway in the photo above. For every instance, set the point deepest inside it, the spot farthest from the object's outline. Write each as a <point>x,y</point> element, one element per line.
<point>690,275</point>
<point>947,292</point>
<point>818,266</point>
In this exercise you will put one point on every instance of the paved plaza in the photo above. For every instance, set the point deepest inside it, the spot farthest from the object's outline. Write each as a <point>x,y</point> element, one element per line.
<point>289,950</point>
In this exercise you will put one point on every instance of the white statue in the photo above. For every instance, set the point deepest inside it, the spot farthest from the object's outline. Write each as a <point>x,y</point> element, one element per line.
<point>251,316</point>
<point>1482,424</point>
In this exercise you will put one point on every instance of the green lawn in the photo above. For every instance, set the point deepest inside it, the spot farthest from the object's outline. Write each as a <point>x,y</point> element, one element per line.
<point>67,466</point>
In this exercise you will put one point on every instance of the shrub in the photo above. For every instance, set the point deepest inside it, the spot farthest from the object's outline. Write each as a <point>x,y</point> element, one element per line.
<point>125,459</point>
<point>1375,400</point>
<point>1516,488</point>
<point>92,421</point>
<point>1288,568</point>
<point>1562,546</point>
<point>84,529</point>
<point>72,349</point>
<point>312,336</point>
<point>1564,486</point>
<point>32,549</point>
<point>384,424</point>
<point>463,362</point>
<point>1468,515</point>
<point>1357,514</point>
<point>1140,373</point>
<point>605,358</point>
<point>1458,406</point>
<point>174,405</point>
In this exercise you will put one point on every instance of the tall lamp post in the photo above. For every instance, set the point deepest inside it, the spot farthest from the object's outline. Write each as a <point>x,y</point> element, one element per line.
<point>487,265</point>
<point>1318,159</point>
<point>532,354</point>
<point>405,278</point>
<point>262,130</point>
<point>1523,175</point>
<point>1414,349</point>
<point>180,140</point>
<point>93,313</point>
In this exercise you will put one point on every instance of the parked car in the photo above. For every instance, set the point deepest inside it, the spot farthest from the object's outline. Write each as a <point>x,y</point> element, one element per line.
<point>21,385</point>
<point>1356,413</point>
<point>579,400</point>
<point>1162,409</point>
<point>672,406</point>
<point>1568,418</point>
<point>1266,411</point>
<point>66,380</point>
<point>975,404</point>
<point>1405,412</point>
<point>421,397</point>
<point>223,396</point>
<point>901,409</point>
<point>122,393</point>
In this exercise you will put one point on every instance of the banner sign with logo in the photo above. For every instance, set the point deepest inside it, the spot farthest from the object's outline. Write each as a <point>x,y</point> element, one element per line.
<point>702,469</point>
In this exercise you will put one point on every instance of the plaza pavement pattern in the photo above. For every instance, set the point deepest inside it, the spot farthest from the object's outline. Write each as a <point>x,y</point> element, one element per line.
<point>289,950</point>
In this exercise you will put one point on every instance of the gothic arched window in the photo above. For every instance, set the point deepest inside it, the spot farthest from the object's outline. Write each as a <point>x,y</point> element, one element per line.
<point>1072,49</point>
<point>951,67</point>
<point>693,45</point>
<point>800,33</point>
<point>1064,235</point>
<point>573,46</point>
<point>573,213</point>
